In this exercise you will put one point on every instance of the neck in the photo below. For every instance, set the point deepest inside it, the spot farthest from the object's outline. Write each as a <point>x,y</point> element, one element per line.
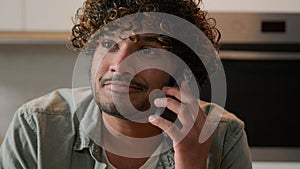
<point>128,142</point>
<point>130,139</point>
<point>129,128</point>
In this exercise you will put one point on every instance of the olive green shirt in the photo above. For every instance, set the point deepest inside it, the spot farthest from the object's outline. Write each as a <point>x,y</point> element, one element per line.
<point>46,133</point>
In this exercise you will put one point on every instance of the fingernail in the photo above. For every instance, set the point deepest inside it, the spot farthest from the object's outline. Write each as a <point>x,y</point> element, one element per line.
<point>165,88</point>
<point>160,102</point>
<point>184,84</point>
<point>152,118</point>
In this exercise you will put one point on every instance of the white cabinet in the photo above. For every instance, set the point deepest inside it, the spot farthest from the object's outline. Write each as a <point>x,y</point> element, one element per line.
<point>56,15</point>
<point>11,15</point>
<point>276,6</point>
<point>37,15</point>
<point>50,15</point>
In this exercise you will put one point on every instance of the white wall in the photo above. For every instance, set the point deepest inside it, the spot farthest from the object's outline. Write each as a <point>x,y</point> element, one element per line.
<point>29,71</point>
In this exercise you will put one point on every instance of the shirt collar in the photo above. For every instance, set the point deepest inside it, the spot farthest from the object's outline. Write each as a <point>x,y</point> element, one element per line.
<point>87,119</point>
<point>88,124</point>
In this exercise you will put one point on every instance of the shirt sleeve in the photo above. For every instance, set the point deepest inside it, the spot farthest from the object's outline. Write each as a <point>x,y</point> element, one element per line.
<point>18,149</point>
<point>238,154</point>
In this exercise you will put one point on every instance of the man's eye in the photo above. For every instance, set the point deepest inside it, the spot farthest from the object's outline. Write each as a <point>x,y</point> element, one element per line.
<point>148,51</point>
<point>108,44</point>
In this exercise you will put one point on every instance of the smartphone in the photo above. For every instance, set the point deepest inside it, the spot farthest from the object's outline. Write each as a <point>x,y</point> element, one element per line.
<point>165,112</point>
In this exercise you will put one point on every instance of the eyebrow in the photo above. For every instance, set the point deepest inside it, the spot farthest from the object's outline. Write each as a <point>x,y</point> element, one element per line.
<point>149,38</point>
<point>108,33</point>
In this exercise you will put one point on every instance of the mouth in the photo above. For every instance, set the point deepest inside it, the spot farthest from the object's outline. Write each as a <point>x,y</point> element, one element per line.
<point>123,84</point>
<point>123,87</point>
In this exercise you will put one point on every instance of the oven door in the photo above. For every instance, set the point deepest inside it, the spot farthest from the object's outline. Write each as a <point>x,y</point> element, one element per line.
<point>263,89</point>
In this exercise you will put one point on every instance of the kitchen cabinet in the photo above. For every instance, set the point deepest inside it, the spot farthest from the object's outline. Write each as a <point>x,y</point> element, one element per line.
<point>55,15</point>
<point>11,15</point>
<point>37,15</point>
<point>22,21</point>
<point>275,6</point>
<point>50,15</point>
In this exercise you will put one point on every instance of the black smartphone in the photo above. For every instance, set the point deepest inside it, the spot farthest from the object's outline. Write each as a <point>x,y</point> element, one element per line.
<point>167,113</point>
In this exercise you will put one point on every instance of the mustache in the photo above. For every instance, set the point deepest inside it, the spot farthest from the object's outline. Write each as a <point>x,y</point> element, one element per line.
<point>124,78</point>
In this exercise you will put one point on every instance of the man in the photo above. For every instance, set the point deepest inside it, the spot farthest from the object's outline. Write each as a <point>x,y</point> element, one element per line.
<point>141,109</point>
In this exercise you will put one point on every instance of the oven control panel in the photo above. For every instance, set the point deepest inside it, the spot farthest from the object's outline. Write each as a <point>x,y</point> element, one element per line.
<point>258,27</point>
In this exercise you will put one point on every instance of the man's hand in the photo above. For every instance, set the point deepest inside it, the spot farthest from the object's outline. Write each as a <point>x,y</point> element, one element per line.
<point>189,151</point>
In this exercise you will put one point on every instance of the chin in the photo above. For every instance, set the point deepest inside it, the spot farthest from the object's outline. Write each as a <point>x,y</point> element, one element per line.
<point>124,112</point>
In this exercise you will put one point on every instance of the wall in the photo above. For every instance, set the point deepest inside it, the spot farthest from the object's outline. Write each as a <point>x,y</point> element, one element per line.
<point>30,70</point>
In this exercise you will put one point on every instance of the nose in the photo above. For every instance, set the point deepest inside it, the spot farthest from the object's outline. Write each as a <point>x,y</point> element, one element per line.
<point>121,63</point>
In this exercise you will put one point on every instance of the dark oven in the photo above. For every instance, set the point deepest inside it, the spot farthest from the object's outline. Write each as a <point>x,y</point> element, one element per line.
<point>261,59</point>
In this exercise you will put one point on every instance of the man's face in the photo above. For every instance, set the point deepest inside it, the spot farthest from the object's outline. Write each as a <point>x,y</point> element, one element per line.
<point>124,72</point>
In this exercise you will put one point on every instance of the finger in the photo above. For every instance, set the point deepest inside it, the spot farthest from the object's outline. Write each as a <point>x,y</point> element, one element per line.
<point>184,115</point>
<point>168,127</point>
<point>191,102</point>
<point>172,91</point>
<point>183,93</point>
<point>169,103</point>
<point>185,118</point>
<point>187,95</point>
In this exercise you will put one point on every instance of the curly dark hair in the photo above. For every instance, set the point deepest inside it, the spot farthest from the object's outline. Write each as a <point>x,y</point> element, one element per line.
<point>96,13</point>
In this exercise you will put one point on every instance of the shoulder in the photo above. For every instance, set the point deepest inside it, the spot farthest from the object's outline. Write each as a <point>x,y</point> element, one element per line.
<point>230,139</point>
<point>230,128</point>
<point>222,116</point>
<point>60,103</point>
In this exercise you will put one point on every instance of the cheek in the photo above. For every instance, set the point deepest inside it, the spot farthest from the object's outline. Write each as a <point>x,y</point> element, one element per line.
<point>157,79</point>
<point>98,68</point>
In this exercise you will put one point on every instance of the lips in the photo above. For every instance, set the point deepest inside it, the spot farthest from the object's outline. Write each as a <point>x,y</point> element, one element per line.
<point>123,83</point>
<point>122,87</point>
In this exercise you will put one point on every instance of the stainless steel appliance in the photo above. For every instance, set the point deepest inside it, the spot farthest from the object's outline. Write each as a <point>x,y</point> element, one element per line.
<point>261,58</point>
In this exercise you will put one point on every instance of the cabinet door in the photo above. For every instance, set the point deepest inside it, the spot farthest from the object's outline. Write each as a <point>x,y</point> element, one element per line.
<point>279,6</point>
<point>11,15</point>
<point>50,15</point>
